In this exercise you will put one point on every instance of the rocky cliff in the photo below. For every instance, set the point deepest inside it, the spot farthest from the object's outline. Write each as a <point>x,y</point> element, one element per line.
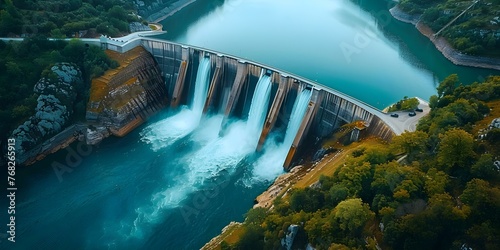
<point>56,92</point>
<point>124,97</point>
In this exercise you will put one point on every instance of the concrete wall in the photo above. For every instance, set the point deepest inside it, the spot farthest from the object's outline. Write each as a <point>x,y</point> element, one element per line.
<point>238,77</point>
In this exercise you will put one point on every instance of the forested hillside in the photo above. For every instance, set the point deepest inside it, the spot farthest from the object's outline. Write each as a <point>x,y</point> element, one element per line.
<point>22,64</point>
<point>444,193</point>
<point>477,32</point>
<point>66,18</point>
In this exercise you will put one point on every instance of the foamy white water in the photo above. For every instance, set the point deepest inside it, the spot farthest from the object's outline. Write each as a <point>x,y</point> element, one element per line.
<point>270,164</point>
<point>241,139</point>
<point>216,154</point>
<point>166,132</point>
<point>260,102</point>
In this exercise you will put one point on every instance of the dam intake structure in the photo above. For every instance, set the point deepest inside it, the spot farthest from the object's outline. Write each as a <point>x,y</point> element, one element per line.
<point>271,101</point>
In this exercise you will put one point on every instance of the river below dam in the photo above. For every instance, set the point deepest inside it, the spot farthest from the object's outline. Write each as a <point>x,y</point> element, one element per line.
<point>173,183</point>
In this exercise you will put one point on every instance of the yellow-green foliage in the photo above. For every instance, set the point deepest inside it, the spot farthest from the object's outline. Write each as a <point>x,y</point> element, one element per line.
<point>405,104</point>
<point>443,195</point>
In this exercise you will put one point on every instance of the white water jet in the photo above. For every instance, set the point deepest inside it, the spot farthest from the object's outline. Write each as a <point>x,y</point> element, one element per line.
<point>167,131</point>
<point>217,154</point>
<point>241,139</point>
<point>270,164</point>
<point>258,109</point>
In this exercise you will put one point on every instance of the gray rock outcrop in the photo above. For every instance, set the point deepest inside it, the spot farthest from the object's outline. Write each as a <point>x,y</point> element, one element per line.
<point>56,92</point>
<point>287,242</point>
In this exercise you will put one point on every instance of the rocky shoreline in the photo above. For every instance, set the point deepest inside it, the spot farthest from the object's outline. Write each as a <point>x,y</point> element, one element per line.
<point>217,240</point>
<point>280,185</point>
<point>443,45</point>
<point>169,11</point>
<point>120,101</point>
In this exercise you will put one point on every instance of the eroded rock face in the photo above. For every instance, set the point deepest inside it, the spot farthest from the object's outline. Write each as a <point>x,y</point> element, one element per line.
<point>57,93</point>
<point>287,242</point>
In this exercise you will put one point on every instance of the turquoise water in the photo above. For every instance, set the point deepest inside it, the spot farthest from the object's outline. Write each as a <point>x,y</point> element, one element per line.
<point>362,52</point>
<point>129,193</point>
<point>125,195</point>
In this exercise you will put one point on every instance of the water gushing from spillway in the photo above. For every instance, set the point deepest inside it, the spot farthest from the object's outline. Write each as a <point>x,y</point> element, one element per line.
<point>298,112</point>
<point>224,153</point>
<point>201,88</point>
<point>260,102</point>
<point>270,164</point>
<point>211,157</point>
<point>165,132</point>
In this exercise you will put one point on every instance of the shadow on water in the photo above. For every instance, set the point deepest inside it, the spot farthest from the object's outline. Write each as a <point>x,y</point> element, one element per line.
<point>417,49</point>
<point>176,24</point>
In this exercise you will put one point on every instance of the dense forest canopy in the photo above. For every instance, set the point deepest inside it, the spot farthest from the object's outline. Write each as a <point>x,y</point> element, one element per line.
<point>477,32</point>
<point>66,18</point>
<point>444,195</point>
<point>23,63</point>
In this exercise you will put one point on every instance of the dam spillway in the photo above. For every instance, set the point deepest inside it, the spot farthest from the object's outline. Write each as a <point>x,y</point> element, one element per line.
<point>233,82</point>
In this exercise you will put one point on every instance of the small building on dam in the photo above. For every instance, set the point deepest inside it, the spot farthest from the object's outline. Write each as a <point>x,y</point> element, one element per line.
<point>232,84</point>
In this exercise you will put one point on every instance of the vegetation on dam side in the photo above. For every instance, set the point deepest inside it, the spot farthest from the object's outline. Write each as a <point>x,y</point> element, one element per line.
<point>476,32</point>
<point>435,188</point>
<point>23,64</point>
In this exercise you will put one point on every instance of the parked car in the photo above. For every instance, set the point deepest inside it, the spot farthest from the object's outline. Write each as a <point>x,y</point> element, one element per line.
<point>419,110</point>
<point>395,115</point>
<point>412,113</point>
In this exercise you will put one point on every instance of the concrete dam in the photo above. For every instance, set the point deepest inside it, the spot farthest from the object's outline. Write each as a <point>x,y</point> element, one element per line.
<point>233,82</point>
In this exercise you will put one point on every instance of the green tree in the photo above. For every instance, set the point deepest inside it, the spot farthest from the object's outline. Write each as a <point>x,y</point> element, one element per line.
<point>447,86</point>
<point>409,104</point>
<point>484,236</point>
<point>436,182</point>
<point>118,12</point>
<point>74,51</point>
<point>355,175</point>
<point>307,199</point>
<point>252,238</point>
<point>256,215</point>
<point>13,69</point>
<point>21,112</point>
<point>411,143</point>
<point>455,149</point>
<point>433,101</point>
<point>484,168</point>
<point>466,111</point>
<point>442,120</point>
<point>336,194</point>
<point>483,199</point>
<point>351,215</point>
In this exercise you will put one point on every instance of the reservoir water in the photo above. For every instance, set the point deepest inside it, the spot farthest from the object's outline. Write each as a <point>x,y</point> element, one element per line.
<point>154,189</point>
<point>352,46</point>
